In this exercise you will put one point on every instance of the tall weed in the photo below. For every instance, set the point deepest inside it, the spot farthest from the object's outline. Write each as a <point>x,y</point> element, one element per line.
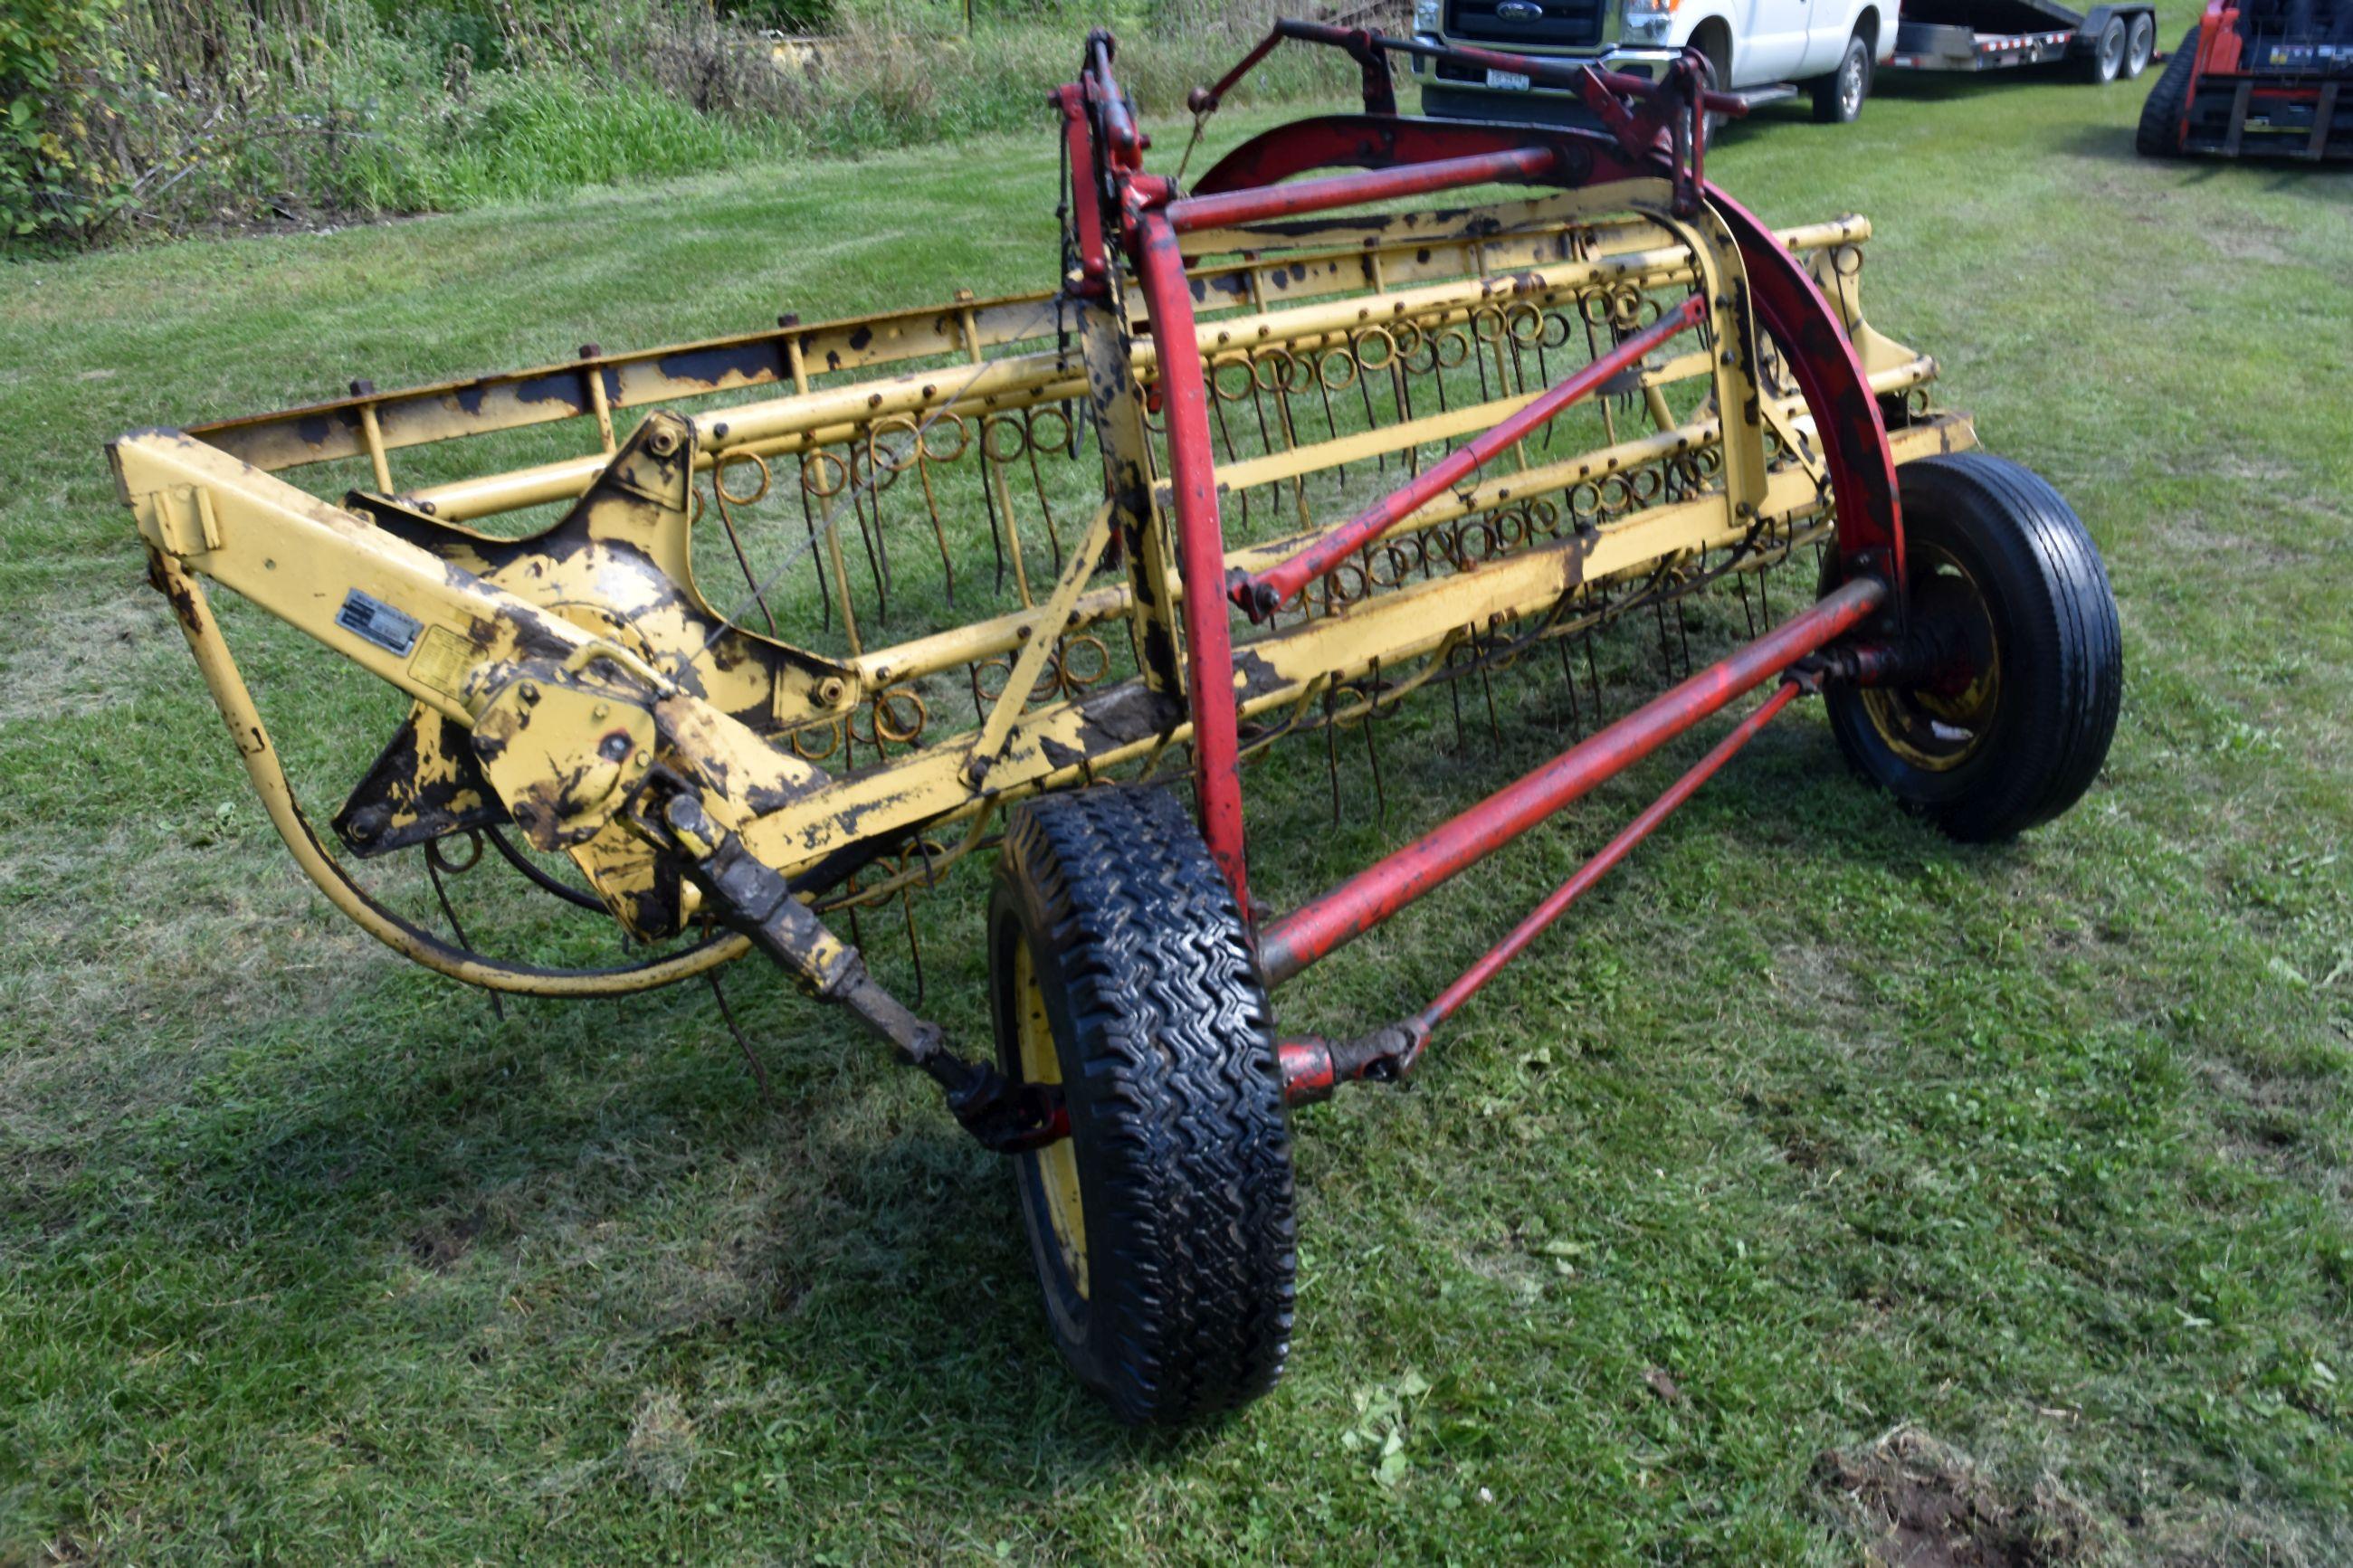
<point>169,114</point>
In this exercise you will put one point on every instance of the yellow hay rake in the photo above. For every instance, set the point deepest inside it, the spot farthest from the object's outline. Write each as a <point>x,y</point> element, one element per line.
<point>1012,574</point>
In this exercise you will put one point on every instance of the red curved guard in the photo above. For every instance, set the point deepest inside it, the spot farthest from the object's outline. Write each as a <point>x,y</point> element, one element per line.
<point>1814,343</point>
<point>1363,142</point>
<point>1788,303</point>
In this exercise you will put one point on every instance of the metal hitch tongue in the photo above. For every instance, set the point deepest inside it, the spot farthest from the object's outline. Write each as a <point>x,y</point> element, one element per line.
<point>755,899</point>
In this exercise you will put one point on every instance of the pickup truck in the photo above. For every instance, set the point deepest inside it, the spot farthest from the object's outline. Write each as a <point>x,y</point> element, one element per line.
<point>1760,49</point>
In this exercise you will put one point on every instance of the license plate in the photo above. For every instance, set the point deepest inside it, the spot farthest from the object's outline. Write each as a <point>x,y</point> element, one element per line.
<point>1511,81</point>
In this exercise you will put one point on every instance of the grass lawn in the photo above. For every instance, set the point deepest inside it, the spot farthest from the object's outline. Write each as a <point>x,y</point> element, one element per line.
<point>1815,1157</point>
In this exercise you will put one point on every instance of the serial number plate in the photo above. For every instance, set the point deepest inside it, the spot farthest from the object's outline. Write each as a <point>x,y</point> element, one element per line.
<point>1511,81</point>
<point>379,622</point>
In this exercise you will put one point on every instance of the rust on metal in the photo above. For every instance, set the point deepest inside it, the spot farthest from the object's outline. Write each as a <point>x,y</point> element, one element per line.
<point>808,608</point>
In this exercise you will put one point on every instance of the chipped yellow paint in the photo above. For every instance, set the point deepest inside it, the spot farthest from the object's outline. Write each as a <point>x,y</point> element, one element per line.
<point>564,668</point>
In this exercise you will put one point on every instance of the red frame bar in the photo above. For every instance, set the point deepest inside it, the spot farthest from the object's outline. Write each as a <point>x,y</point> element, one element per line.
<point>1320,927</point>
<point>1256,204</point>
<point>1261,594</point>
<point>1313,1067</point>
<point>1086,209</point>
<point>1600,865</point>
<point>1125,143</point>
<point>1201,550</point>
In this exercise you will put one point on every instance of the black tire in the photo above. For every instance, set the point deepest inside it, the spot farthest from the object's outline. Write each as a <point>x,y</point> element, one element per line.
<point>2141,46</point>
<point>2160,135</point>
<point>2105,61</point>
<point>2001,567</point>
<point>1169,1277</point>
<point>1717,48</point>
<point>1838,96</point>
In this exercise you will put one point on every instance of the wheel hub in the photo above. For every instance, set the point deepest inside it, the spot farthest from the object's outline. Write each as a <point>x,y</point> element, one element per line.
<point>1939,721</point>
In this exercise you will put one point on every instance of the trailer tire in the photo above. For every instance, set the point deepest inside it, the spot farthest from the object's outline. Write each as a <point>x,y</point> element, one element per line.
<point>2105,60</point>
<point>2007,569</point>
<point>2140,48</point>
<point>1838,96</point>
<point>1162,1228</point>
<point>2159,132</point>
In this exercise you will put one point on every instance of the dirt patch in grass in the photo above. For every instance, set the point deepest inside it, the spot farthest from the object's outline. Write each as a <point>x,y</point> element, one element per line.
<point>442,1243</point>
<point>2249,242</point>
<point>662,1448</point>
<point>68,661</point>
<point>1924,1504</point>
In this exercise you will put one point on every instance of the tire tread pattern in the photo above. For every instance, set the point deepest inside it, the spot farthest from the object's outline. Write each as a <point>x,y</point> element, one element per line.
<point>1192,1265</point>
<point>2159,130</point>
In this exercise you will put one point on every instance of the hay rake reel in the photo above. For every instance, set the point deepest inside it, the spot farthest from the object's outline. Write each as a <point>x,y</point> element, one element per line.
<point>1277,455</point>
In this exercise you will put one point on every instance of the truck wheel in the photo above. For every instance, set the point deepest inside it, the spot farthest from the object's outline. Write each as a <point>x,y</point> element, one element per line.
<point>2140,46</point>
<point>2159,134</point>
<point>1838,96</point>
<point>1161,1228</point>
<point>2000,569</point>
<point>2106,60</point>
<point>1715,44</point>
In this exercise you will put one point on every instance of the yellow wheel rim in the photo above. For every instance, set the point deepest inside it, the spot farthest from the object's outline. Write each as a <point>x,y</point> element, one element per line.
<point>1057,1165</point>
<point>1937,730</point>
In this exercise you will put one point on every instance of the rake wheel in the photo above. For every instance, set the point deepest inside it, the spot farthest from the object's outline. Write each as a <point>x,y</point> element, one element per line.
<point>2001,570</point>
<point>1161,1226</point>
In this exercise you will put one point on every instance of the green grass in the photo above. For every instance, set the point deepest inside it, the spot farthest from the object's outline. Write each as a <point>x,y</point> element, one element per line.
<point>1810,1127</point>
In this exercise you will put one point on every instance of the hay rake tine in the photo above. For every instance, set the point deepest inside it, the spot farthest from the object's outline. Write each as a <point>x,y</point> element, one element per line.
<point>878,556</point>
<point>996,537</point>
<point>824,587</point>
<point>449,910</point>
<point>743,1043</point>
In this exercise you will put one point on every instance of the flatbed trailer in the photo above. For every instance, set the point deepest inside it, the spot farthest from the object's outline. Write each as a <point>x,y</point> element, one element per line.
<point>2106,43</point>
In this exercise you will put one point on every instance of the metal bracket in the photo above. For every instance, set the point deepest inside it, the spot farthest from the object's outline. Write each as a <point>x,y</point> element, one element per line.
<point>1040,634</point>
<point>186,524</point>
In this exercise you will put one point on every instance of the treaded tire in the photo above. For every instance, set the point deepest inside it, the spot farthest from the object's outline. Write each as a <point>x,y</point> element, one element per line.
<point>1718,52</point>
<point>1983,526</point>
<point>1831,106</point>
<point>1141,966</point>
<point>2159,134</point>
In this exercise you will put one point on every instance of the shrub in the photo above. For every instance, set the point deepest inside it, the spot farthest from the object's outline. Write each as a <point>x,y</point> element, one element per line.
<point>59,79</point>
<point>169,113</point>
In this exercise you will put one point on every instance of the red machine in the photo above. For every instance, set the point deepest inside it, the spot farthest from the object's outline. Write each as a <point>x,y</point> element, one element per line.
<point>2266,77</point>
